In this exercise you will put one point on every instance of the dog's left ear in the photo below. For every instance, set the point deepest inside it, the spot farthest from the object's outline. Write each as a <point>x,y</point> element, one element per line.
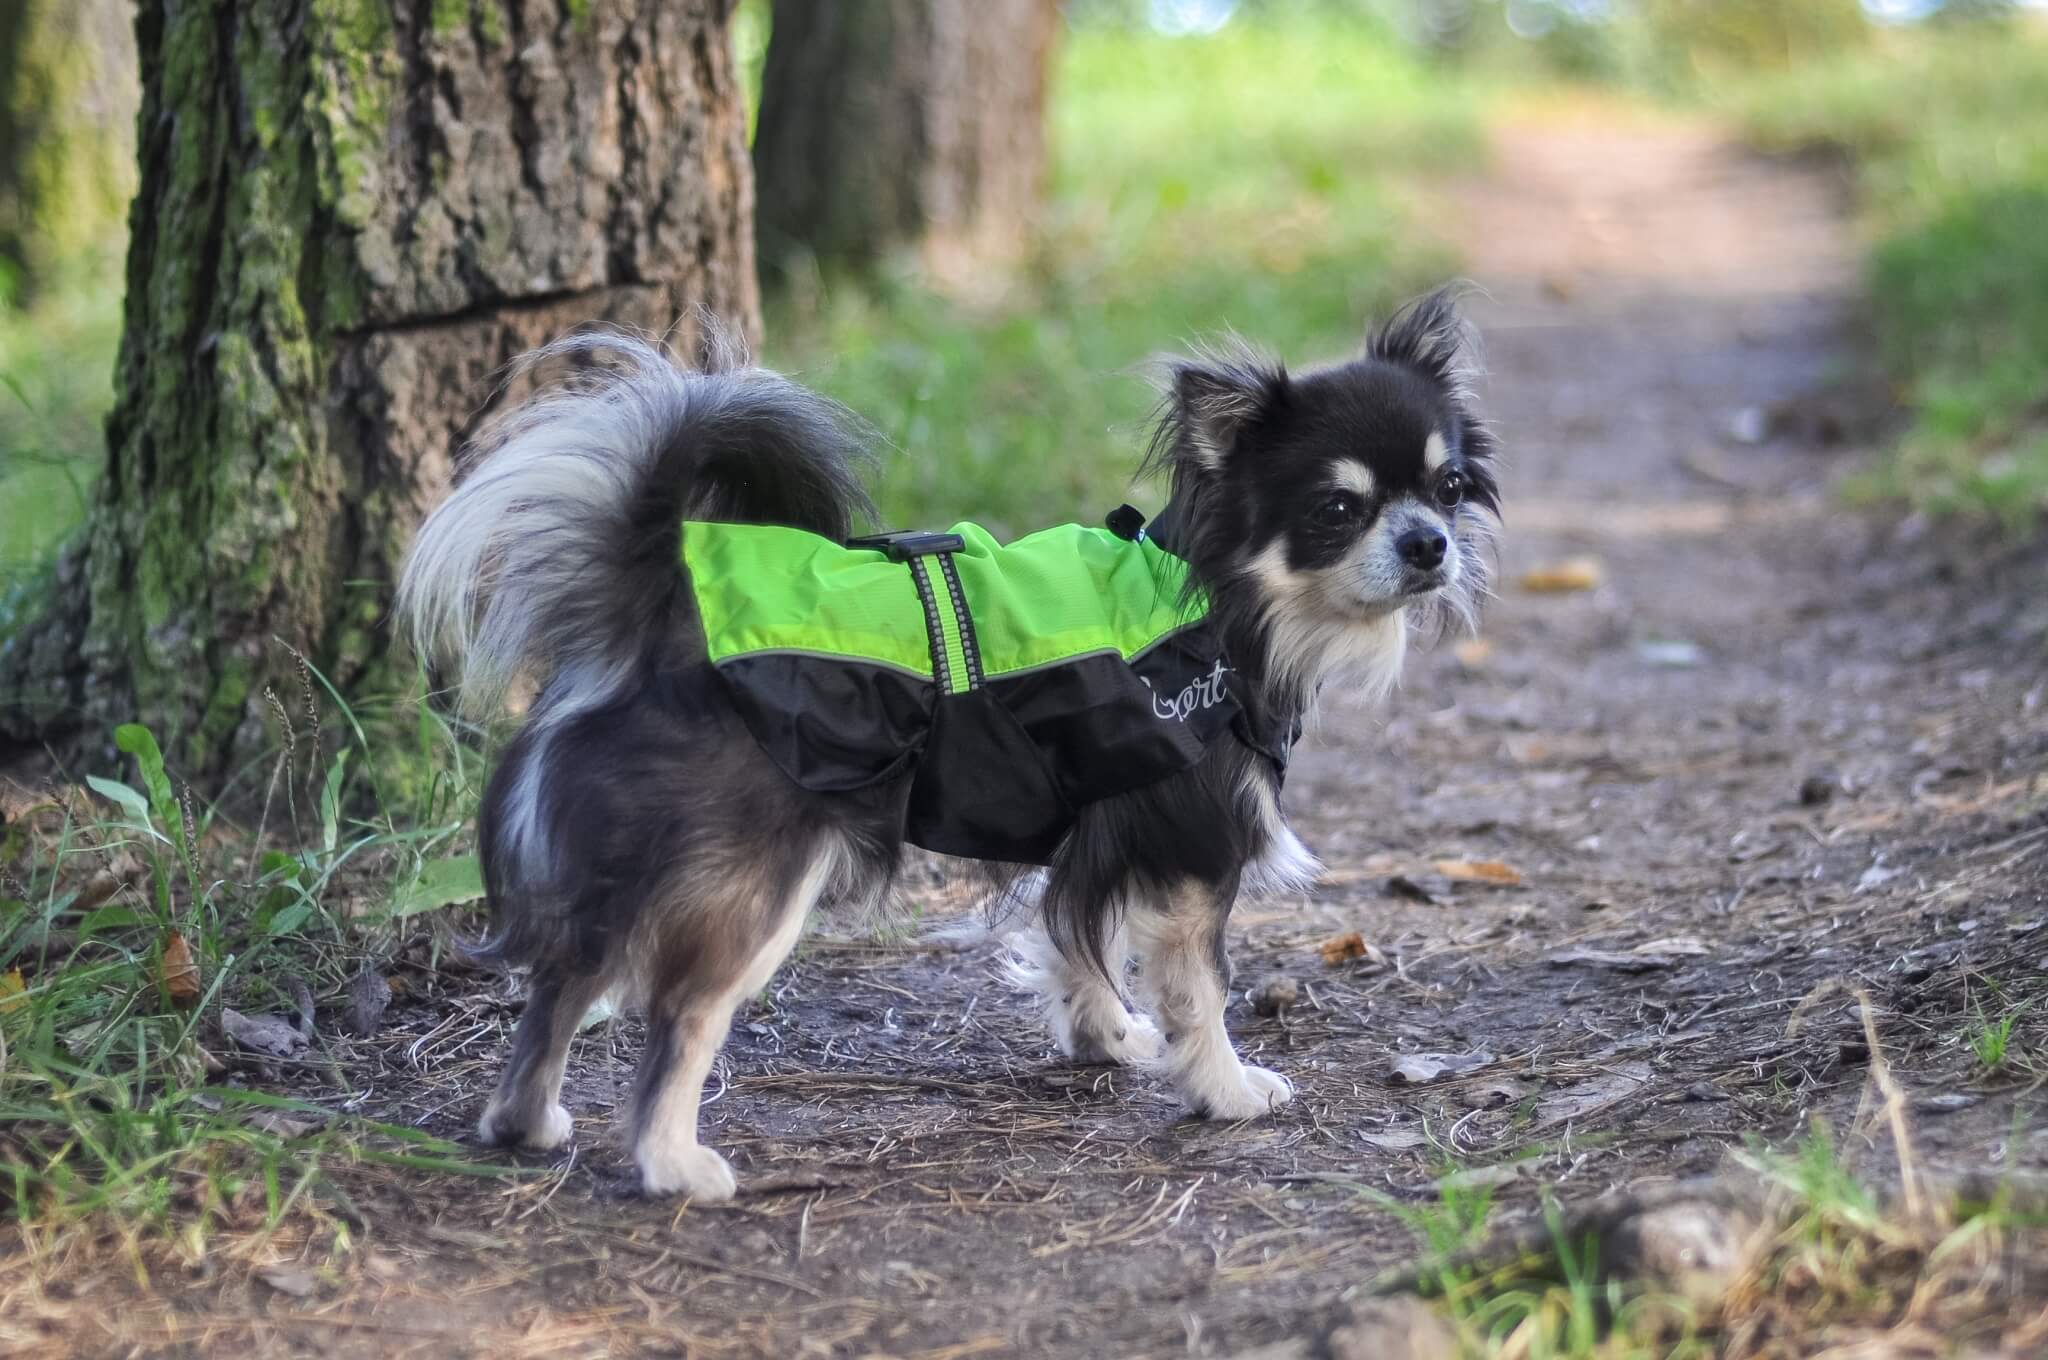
<point>1215,398</point>
<point>1431,336</point>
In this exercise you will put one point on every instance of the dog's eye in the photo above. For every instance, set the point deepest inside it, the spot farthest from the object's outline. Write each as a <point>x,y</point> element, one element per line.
<point>1450,490</point>
<point>1339,509</point>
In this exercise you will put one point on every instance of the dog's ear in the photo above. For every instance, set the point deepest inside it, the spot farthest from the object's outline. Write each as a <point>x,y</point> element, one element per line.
<point>1217,395</point>
<point>1431,336</point>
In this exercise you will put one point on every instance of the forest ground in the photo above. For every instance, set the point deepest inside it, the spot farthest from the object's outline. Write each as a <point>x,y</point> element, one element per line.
<point>1755,745</point>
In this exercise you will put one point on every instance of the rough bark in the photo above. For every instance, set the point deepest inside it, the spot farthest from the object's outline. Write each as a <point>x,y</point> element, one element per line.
<point>893,123</point>
<point>352,214</point>
<point>68,93</point>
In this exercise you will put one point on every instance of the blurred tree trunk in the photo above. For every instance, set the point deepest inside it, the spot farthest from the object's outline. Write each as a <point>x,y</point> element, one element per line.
<point>68,92</point>
<point>352,213</point>
<point>890,123</point>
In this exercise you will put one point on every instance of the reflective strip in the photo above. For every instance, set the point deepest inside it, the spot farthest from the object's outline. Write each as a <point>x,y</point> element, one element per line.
<point>937,621</point>
<point>970,648</point>
<point>948,625</point>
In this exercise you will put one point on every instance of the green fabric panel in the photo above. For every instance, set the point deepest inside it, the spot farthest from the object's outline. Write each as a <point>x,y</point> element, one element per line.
<point>1059,593</point>
<point>764,588</point>
<point>1067,591</point>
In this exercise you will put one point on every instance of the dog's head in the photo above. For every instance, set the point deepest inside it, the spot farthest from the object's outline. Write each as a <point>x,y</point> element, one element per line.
<point>1332,507</point>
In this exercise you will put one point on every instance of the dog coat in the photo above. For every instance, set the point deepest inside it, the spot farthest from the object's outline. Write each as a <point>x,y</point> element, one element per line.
<point>1013,684</point>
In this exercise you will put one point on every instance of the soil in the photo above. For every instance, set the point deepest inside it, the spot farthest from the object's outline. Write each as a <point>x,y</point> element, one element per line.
<point>1780,761</point>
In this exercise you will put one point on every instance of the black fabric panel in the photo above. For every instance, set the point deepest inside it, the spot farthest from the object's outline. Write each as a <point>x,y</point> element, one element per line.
<point>982,789</point>
<point>1103,730</point>
<point>832,724</point>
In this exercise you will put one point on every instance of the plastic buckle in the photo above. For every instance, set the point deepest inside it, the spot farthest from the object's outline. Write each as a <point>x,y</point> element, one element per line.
<point>1126,522</point>
<point>904,544</point>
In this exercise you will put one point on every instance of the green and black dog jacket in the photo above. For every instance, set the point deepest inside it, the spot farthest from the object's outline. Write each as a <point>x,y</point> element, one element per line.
<point>1014,685</point>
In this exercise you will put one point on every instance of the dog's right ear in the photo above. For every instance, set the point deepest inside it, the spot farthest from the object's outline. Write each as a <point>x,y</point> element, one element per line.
<point>1219,394</point>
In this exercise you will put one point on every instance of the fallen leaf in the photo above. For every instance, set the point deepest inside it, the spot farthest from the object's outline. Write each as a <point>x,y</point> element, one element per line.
<point>297,1283</point>
<point>13,992</point>
<point>285,1124</point>
<point>1473,653</point>
<point>1342,948</point>
<point>1592,1095</point>
<point>1562,578</point>
<point>1479,871</point>
<point>269,1034</point>
<point>1400,885</point>
<point>1620,961</point>
<point>1418,1069</point>
<point>180,972</point>
<point>1681,946</point>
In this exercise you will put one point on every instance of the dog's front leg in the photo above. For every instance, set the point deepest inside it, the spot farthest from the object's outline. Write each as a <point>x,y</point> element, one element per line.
<point>1184,975</point>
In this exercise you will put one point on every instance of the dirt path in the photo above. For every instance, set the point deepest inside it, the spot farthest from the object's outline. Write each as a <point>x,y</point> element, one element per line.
<point>926,1179</point>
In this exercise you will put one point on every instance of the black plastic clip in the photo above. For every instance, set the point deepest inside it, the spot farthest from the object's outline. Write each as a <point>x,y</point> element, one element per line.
<point>904,544</point>
<point>1126,522</point>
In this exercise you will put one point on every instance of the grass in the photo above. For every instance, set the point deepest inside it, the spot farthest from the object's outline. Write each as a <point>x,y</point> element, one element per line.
<point>1824,1259</point>
<point>1947,131</point>
<point>1245,180</point>
<point>131,918</point>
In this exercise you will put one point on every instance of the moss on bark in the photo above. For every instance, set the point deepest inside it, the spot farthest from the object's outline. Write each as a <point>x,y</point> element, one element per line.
<point>341,234</point>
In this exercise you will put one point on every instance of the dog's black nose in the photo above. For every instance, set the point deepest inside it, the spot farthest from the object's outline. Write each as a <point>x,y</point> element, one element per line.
<point>1422,549</point>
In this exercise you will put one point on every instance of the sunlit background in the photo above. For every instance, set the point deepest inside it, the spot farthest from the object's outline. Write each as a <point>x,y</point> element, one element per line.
<point>1246,163</point>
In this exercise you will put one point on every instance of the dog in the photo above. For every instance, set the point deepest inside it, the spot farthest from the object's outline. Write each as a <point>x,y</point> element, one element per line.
<point>645,832</point>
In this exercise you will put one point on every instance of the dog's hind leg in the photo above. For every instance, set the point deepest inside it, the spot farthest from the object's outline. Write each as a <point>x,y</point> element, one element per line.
<point>1086,1010</point>
<point>527,1107</point>
<point>718,947</point>
<point>1184,974</point>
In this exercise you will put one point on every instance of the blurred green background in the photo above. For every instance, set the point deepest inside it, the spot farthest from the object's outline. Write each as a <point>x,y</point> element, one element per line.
<point>1240,165</point>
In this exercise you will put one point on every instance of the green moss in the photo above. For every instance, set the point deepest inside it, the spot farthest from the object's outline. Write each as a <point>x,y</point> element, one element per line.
<point>490,22</point>
<point>448,16</point>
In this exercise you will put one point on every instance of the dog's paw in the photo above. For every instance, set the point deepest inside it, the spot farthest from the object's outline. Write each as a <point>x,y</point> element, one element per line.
<point>1133,1042</point>
<point>506,1127</point>
<point>1249,1093</point>
<point>690,1169</point>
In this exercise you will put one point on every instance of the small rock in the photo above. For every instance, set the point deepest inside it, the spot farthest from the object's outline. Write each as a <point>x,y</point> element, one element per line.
<point>1816,789</point>
<point>369,996</point>
<point>1695,1250</point>
<point>1750,425</point>
<point>1946,1103</point>
<point>1705,1092</point>
<point>1399,1328</point>
<point>1675,655</point>
<point>1274,995</point>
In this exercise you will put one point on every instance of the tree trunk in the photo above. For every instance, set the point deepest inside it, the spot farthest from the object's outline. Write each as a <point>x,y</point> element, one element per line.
<point>68,91</point>
<point>352,214</point>
<point>891,123</point>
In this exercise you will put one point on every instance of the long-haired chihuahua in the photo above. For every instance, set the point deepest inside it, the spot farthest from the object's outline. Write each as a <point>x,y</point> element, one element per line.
<point>736,710</point>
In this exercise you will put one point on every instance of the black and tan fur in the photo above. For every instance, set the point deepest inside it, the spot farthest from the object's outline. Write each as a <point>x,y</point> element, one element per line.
<point>634,837</point>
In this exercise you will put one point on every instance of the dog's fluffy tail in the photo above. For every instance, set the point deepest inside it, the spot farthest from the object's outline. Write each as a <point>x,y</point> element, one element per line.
<point>557,556</point>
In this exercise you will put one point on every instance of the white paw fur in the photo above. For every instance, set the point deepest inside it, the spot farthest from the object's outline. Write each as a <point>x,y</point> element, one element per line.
<point>1245,1093</point>
<point>1125,1040</point>
<point>688,1169</point>
<point>544,1134</point>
